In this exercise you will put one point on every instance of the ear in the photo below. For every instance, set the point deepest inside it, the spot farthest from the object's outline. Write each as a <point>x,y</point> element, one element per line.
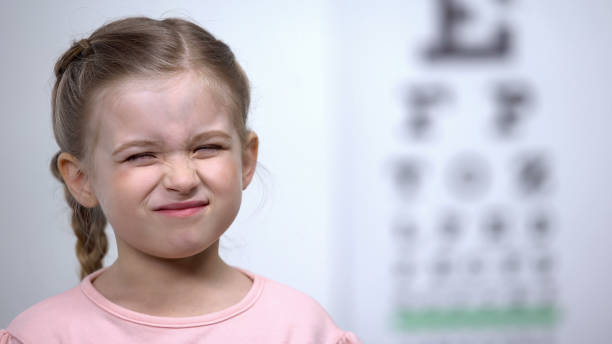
<point>249,158</point>
<point>76,180</point>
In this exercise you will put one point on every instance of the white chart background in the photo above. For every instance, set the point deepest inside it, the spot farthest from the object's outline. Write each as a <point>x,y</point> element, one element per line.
<point>559,50</point>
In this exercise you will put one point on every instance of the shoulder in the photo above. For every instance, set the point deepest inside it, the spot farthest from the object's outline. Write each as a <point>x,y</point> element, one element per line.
<point>284,298</point>
<point>293,309</point>
<point>44,318</point>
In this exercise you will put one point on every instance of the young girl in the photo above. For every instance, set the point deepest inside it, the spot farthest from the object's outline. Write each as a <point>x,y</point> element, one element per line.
<point>150,117</point>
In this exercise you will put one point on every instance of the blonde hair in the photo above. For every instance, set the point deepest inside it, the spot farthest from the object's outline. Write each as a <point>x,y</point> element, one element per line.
<point>124,48</point>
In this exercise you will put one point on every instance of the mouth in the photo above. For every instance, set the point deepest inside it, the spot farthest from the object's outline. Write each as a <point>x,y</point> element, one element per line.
<point>182,209</point>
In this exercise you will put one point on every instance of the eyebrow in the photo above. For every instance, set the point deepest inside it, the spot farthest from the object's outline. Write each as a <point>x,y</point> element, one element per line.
<point>150,143</point>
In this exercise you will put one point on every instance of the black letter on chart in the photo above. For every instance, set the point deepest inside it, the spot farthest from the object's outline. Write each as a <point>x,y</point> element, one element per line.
<point>452,16</point>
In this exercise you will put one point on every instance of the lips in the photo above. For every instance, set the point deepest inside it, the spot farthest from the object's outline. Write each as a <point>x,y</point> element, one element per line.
<point>182,205</point>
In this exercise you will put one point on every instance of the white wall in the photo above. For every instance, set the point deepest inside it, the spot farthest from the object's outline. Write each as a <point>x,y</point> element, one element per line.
<point>328,85</point>
<point>283,228</point>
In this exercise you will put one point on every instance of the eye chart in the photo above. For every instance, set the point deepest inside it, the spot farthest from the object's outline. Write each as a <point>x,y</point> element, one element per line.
<point>451,173</point>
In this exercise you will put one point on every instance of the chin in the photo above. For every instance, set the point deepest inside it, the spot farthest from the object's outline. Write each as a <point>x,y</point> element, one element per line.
<point>183,252</point>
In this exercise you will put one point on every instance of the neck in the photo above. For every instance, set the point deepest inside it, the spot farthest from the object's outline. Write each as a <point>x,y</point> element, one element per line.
<point>172,287</point>
<point>140,270</point>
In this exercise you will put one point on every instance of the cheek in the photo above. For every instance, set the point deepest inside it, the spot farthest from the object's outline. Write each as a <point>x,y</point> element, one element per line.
<point>126,186</point>
<point>223,173</point>
<point>130,186</point>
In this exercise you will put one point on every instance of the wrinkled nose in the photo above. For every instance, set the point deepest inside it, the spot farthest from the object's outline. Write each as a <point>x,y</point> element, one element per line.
<point>180,175</point>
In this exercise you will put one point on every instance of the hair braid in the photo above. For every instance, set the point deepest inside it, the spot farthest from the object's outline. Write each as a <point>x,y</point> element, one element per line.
<point>88,225</point>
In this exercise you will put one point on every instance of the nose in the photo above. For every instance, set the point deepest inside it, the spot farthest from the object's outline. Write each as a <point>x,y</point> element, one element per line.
<point>180,175</point>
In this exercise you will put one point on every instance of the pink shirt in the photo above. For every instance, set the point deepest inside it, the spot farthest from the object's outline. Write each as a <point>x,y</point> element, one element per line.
<point>270,313</point>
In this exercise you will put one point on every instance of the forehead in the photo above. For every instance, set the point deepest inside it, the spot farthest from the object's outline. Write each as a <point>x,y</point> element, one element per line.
<point>170,109</point>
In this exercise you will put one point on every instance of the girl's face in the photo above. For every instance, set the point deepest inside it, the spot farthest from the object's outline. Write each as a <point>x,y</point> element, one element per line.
<point>158,143</point>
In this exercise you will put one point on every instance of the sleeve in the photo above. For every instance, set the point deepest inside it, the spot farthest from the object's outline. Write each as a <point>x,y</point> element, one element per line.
<point>347,338</point>
<point>6,338</point>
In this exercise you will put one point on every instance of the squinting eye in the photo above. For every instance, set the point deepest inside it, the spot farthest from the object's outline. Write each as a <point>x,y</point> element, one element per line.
<point>208,148</point>
<point>139,156</point>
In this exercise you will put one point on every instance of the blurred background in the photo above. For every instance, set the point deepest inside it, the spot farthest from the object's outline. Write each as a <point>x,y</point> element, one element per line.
<point>433,171</point>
